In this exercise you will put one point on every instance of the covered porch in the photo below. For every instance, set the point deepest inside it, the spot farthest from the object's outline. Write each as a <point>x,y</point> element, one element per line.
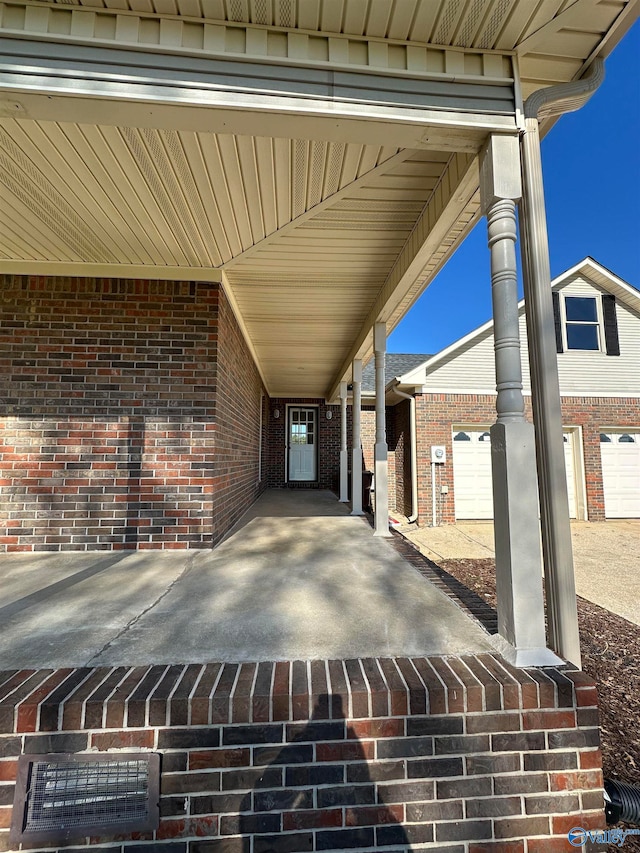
<point>296,578</point>
<point>306,687</point>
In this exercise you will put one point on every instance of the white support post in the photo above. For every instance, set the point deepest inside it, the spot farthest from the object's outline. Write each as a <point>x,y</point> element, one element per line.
<point>515,504</point>
<point>381,450</point>
<point>344,453</point>
<point>356,454</point>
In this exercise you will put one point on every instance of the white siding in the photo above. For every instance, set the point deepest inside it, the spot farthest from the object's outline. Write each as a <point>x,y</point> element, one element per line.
<point>471,369</point>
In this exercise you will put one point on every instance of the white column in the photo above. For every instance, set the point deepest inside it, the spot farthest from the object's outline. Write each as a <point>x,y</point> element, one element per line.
<point>515,503</point>
<point>545,398</point>
<point>344,453</point>
<point>381,469</point>
<point>356,453</point>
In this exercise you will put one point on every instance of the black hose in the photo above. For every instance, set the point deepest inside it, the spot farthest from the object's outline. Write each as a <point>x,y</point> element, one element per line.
<point>621,802</point>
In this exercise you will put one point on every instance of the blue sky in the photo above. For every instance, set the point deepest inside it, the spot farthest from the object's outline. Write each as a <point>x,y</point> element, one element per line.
<point>593,208</point>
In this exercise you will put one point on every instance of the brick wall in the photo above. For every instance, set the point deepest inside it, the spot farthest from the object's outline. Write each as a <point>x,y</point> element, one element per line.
<point>466,753</point>
<point>399,438</point>
<point>436,413</point>
<point>328,439</point>
<point>593,415</point>
<point>110,428</point>
<point>241,407</point>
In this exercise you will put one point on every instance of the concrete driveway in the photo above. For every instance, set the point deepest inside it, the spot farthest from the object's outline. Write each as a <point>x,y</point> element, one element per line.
<point>298,578</point>
<point>606,557</point>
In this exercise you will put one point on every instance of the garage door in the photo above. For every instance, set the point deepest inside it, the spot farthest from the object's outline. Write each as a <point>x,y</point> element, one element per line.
<point>620,452</point>
<point>472,473</point>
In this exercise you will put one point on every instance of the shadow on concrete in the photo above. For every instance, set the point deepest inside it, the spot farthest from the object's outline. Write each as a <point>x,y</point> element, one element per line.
<point>299,578</point>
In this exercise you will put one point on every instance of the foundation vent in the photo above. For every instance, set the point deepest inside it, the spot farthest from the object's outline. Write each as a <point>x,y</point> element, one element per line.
<point>60,797</point>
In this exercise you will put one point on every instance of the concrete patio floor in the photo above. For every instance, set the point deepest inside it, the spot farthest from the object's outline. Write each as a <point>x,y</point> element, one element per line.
<point>298,577</point>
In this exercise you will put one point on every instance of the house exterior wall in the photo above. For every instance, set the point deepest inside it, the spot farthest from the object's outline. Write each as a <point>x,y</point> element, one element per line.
<point>436,414</point>
<point>242,422</point>
<point>450,753</point>
<point>399,439</point>
<point>328,444</point>
<point>122,422</point>
<point>472,368</point>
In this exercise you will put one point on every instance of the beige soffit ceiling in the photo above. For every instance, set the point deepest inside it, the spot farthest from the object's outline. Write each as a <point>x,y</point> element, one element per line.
<point>317,239</point>
<point>120,195</point>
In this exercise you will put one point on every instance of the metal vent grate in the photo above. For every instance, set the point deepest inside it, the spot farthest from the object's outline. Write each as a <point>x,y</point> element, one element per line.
<point>69,796</point>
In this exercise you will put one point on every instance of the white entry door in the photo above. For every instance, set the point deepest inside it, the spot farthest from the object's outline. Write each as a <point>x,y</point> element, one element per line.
<point>302,439</point>
<point>472,473</point>
<point>620,453</point>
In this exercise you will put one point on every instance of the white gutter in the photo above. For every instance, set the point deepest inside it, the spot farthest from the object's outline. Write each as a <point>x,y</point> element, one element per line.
<point>414,453</point>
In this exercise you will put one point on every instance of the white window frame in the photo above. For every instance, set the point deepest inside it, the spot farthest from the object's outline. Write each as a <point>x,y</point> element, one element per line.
<point>598,323</point>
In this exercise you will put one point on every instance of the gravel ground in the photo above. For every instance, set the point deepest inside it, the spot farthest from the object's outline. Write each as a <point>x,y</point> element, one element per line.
<point>610,655</point>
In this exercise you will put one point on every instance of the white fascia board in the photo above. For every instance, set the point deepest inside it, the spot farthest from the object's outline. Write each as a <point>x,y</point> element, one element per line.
<point>31,68</point>
<point>212,112</point>
<point>146,271</point>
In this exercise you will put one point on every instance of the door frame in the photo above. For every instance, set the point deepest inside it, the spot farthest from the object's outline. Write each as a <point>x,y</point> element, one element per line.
<point>580,485</point>
<point>288,408</point>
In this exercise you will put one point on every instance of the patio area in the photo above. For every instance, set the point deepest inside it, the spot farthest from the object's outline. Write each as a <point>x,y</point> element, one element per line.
<point>297,578</point>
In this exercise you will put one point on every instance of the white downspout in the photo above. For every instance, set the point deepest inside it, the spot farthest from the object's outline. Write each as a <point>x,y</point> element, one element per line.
<point>556,533</point>
<point>414,453</point>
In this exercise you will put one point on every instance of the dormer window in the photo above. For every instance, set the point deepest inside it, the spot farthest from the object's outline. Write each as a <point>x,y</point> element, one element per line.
<point>586,323</point>
<point>582,324</point>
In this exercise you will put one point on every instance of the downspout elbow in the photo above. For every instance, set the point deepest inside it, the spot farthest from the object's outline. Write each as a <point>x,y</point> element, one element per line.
<point>565,97</point>
<point>414,454</point>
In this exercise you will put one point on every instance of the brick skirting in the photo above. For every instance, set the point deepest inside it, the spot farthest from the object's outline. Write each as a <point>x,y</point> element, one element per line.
<point>463,754</point>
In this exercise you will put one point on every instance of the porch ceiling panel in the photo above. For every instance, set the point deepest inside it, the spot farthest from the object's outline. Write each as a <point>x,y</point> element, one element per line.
<point>85,193</point>
<point>305,294</point>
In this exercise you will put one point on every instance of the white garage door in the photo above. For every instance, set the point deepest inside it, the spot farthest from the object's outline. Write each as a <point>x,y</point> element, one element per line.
<point>620,452</point>
<point>472,473</point>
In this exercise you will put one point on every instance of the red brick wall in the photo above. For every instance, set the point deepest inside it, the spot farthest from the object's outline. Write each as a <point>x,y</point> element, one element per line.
<point>239,400</point>
<point>328,755</point>
<point>437,412</point>
<point>328,443</point>
<point>368,436</point>
<point>593,415</point>
<point>399,439</point>
<point>111,434</point>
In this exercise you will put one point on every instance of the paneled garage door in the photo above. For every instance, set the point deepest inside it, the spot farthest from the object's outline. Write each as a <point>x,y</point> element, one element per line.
<point>620,452</point>
<point>472,473</point>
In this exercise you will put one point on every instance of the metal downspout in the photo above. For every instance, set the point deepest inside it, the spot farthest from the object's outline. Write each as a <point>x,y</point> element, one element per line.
<point>414,454</point>
<point>554,509</point>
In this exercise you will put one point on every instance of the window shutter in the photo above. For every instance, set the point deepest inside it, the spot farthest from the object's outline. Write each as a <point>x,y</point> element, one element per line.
<point>611,340</point>
<point>556,316</point>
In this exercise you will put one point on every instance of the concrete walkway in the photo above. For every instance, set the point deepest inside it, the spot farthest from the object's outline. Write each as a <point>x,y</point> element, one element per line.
<point>606,557</point>
<point>297,578</point>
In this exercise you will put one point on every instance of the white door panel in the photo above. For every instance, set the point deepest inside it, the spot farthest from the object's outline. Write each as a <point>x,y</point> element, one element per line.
<point>472,473</point>
<point>620,454</point>
<point>302,439</point>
